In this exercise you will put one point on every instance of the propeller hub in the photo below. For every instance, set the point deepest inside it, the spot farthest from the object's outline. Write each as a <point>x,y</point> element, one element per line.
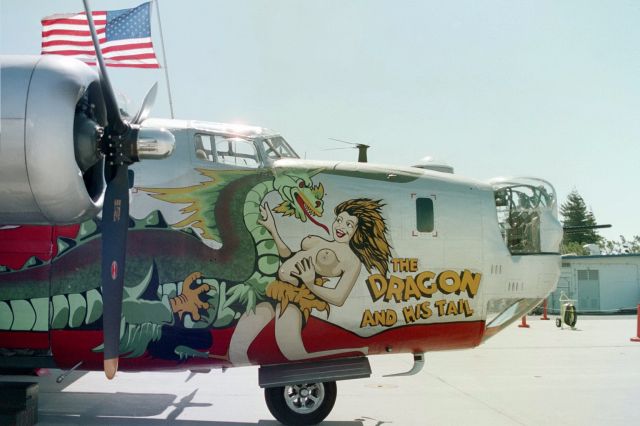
<point>155,144</point>
<point>120,148</point>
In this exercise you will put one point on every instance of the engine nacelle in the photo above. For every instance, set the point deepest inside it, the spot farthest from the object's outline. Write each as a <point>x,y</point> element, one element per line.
<point>43,130</point>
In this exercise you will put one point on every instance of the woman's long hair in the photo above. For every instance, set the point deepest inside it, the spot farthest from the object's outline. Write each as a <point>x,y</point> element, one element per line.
<point>369,242</point>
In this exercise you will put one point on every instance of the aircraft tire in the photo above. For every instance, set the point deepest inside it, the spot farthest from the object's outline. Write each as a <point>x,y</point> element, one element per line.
<point>306,404</point>
<point>558,322</point>
<point>570,316</point>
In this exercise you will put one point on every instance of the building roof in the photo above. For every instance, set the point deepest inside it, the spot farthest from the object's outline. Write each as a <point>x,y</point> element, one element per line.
<point>599,256</point>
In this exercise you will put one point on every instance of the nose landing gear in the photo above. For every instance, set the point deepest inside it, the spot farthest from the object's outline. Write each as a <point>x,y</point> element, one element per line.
<point>303,404</point>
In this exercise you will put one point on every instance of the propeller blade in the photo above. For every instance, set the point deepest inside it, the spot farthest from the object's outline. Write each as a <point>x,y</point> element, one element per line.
<point>120,147</point>
<point>147,103</point>
<point>113,112</point>
<point>115,223</point>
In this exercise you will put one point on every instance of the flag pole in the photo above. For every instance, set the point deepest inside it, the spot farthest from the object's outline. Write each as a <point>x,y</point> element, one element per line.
<point>164,58</point>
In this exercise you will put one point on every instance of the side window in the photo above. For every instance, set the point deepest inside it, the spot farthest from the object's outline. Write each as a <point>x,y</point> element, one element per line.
<point>424,215</point>
<point>236,152</point>
<point>204,147</point>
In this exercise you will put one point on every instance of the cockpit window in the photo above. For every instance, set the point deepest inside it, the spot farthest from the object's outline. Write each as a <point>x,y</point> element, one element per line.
<point>236,151</point>
<point>276,147</point>
<point>204,147</point>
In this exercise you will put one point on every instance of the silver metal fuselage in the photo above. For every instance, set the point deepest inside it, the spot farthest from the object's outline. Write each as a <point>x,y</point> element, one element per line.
<point>466,234</point>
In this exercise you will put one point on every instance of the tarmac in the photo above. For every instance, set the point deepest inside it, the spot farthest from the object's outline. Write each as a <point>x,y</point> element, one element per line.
<point>540,375</point>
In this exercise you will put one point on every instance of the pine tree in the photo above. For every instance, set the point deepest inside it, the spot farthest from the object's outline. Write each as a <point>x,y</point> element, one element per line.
<point>621,246</point>
<point>575,213</point>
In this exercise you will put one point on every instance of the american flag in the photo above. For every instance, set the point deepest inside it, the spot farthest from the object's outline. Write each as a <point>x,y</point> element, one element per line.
<point>125,37</point>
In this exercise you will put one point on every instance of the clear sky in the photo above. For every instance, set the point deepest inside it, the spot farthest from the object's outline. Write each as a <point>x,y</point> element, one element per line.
<point>495,88</point>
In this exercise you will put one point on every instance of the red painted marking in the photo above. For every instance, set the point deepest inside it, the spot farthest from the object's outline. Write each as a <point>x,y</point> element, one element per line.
<point>17,245</point>
<point>319,335</point>
<point>24,339</point>
<point>114,270</point>
<point>307,214</point>
<point>70,346</point>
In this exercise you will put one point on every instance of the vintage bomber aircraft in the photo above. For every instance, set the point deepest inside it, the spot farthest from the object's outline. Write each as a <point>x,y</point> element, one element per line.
<point>237,251</point>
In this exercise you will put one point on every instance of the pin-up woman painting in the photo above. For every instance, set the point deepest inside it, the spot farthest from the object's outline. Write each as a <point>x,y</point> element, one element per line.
<point>359,238</point>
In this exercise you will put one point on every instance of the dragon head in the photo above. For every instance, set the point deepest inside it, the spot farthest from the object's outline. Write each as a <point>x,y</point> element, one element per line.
<point>301,198</point>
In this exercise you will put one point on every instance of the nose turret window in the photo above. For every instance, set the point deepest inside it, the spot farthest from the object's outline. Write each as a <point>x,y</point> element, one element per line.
<point>526,209</point>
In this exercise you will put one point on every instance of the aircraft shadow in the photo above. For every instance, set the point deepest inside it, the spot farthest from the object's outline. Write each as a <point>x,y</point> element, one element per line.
<point>121,408</point>
<point>71,420</point>
<point>83,408</point>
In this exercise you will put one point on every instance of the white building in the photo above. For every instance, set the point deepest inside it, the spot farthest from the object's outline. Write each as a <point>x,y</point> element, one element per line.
<point>600,283</point>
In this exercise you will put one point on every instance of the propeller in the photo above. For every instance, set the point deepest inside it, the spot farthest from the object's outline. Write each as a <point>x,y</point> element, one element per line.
<point>362,149</point>
<point>122,143</point>
<point>147,103</point>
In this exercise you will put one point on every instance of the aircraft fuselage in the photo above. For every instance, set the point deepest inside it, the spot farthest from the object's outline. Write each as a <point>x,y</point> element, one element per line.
<point>236,256</point>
